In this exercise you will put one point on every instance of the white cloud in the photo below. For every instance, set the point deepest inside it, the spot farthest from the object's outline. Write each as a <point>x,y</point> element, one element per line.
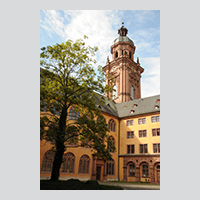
<point>52,22</point>
<point>150,77</point>
<point>96,24</point>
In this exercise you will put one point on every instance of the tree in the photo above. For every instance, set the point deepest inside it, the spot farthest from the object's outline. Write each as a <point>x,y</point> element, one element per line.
<point>68,79</point>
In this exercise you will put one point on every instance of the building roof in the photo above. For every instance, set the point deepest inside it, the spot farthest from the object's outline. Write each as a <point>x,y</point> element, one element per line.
<point>131,108</point>
<point>123,39</point>
<point>138,106</point>
<point>109,105</point>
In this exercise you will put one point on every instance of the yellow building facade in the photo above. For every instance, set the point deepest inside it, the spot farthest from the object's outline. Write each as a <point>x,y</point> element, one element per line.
<point>135,128</point>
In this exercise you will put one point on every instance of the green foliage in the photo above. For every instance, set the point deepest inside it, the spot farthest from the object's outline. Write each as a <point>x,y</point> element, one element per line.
<point>67,79</point>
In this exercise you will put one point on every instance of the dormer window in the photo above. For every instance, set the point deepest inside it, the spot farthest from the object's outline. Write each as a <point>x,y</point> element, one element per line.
<point>135,105</point>
<point>156,107</point>
<point>99,106</point>
<point>158,101</point>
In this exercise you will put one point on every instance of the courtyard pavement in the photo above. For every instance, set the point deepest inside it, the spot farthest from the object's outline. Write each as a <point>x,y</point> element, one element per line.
<point>132,186</point>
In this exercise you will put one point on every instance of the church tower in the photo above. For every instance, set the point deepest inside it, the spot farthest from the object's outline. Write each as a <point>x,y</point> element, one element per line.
<point>124,71</point>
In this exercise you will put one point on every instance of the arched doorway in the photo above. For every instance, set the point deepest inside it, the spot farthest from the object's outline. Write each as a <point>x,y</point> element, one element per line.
<point>131,171</point>
<point>157,172</point>
<point>144,172</point>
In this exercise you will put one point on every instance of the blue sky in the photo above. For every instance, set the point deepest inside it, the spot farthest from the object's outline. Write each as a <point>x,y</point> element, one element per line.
<point>101,26</point>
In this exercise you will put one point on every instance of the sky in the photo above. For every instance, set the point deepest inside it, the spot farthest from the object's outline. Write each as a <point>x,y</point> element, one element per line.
<point>101,27</point>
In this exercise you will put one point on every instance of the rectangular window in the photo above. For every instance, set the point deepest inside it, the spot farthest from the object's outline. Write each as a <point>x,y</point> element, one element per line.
<point>142,121</point>
<point>129,122</point>
<point>156,148</point>
<point>155,119</point>
<point>153,132</point>
<point>130,134</point>
<point>130,149</point>
<point>156,132</point>
<point>110,168</point>
<point>142,133</point>
<point>143,148</point>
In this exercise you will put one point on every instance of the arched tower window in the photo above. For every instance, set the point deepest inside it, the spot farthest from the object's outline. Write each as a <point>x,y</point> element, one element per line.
<point>114,92</point>
<point>111,125</point>
<point>116,54</point>
<point>130,55</point>
<point>84,164</point>
<point>132,92</point>
<point>68,164</point>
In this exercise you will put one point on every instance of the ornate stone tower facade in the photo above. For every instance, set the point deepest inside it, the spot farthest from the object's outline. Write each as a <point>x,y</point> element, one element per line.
<point>125,72</point>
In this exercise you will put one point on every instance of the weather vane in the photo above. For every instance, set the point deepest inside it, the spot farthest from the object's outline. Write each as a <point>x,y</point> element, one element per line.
<point>122,21</point>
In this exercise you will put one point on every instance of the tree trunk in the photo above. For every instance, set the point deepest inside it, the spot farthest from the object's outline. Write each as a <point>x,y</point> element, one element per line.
<point>57,162</point>
<point>60,147</point>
